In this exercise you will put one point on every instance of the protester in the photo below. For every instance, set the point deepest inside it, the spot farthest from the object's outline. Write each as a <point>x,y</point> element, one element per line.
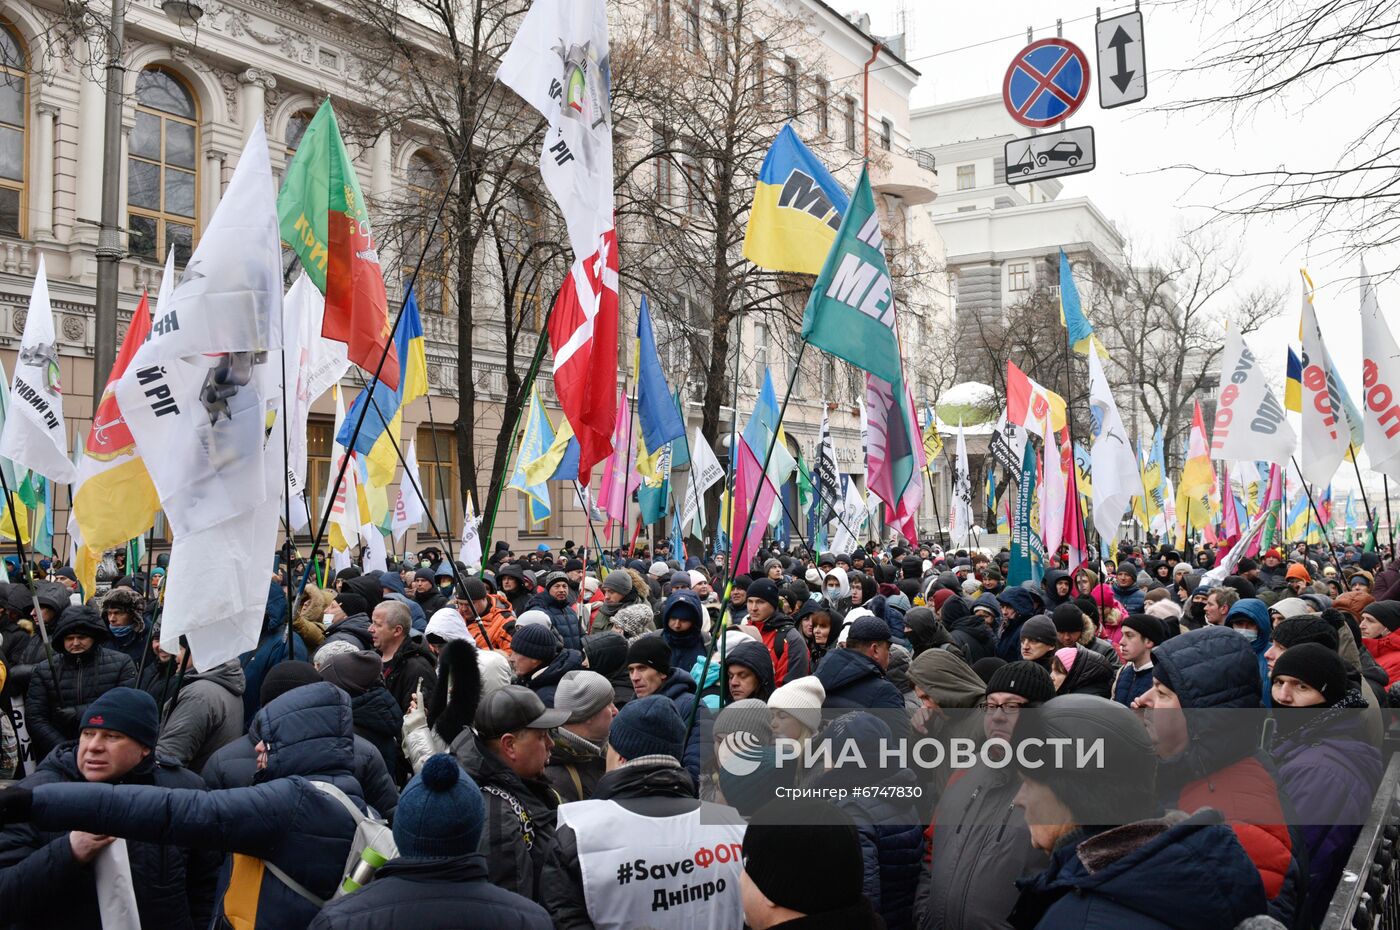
<point>1327,766</point>
<point>1141,874</point>
<point>409,667</point>
<point>778,632</point>
<point>376,715</point>
<point>606,654</point>
<point>488,616</point>
<point>506,751</point>
<point>1380,629</point>
<point>205,715</point>
<point>1250,618</point>
<point>538,658</point>
<point>1141,633</point>
<point>682,621</point>
<point>350,622</point>
<point>124,611</point>
<point>649,665</point>
<point>748,672</point>
<point>554,602</point>
<point>576,760</point>
<point>645,807</point>
<point>1076,670</point>
<point>46,877</point>
<point>81,672</point>
<point>854,677</point>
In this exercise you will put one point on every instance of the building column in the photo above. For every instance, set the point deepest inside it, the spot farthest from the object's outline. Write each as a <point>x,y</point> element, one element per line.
<point>253,98</point>
<point>87,206</point>
<point>381,169</point>
<point>41,186</point>
<point>213,187</point>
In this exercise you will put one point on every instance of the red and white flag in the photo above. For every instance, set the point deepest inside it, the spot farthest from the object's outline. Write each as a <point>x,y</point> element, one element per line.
<point>1380,381</point>
<point>1031,404</point>
<point>559,63</point>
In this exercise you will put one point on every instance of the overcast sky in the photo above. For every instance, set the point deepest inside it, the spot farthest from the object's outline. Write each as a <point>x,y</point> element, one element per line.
<point>1137,144</point>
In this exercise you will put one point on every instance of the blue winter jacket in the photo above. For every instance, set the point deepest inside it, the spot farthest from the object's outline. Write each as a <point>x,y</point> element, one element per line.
<point>1191,876</point>
<point>561,617</point>
<point>685,647</point>
<point>1131,684</point>
<point>681,689</point>
<point>284,819</point>
<point>272,648</point>
<point>1009,642</point>
<point>432,894</point>
<point>1132,598</point>
<point>854,680</point>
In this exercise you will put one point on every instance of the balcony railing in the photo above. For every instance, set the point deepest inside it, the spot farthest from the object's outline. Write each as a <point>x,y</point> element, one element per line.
<point>1368,895</point>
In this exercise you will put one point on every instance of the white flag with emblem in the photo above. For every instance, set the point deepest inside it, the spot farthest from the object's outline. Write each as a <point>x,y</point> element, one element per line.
<point>1380,382</point>
<point>35,436</point>
<point>705,470</point>
<point>408,509</point>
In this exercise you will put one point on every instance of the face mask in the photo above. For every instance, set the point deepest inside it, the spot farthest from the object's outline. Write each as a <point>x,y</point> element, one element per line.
<point>122,632</point>
<point>1249,635</point>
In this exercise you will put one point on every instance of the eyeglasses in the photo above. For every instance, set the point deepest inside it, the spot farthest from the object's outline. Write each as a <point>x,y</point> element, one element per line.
<point>1009,710</point>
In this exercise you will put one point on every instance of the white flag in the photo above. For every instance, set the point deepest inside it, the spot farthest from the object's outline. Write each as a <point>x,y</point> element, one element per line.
<point>1249,421</point>
<point>1112,460</point>
<point>1380,382</point>
<point>1054,493</point>
<point>311,365</point>
<point>194,397</point>
<point>1326,432</point>
<point>853,516</point>
<point>558,62</point>
<point>960,506</point>
<point>408,509</point>
<point>343,497</point>
<point>35,436</point>
<point>375,558</point>
<point>470,553</point>
<point>705,471</point>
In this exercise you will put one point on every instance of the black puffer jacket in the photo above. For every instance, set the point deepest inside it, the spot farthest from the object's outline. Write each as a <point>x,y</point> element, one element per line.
<point>411,665</point>
<point>174,886</point>
<point>545,681</point>
<point>53,709</point>
<point>515,863</point>
<point>969,632</point>
<point>379,720</point>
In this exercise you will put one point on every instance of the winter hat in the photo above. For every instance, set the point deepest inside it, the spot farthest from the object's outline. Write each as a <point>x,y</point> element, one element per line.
<point>1353,602</point>
<point>1291,607</point>
<point>784,840</point>
<point>354,672</point>
<point>801,699</point>
<point>1067,619</point>
<point>634,621</point>
<point>1066,656</point>
<point>869,629</point>
<point>940,597</point>
<point>1148,627</point>
<point>535,641</point>
<point>553,578</point>
<point>697,577</point>
<point>1041,629</point>
<point>651,651</point>
<point>619,582</point>
<point>764,590</point>
<point>532,617</point>
<point>680,578</point>
<point>659,570</point>
<point>333,648</point>
<point>1308,628</point>
<point>126,711</point>
<point>1364,576</point>
<point>475,589</point>
<point>441,812</point>
<point>747,716</point>
<point>283,677</point>
<point>971,586</point>
<point>1385,612</point>
<point>1022,678</point>
<point>1315,665</point>
<point>573,565</point>
<point>649,726</point>
<point>423,574</point>
<point>1164,610</point>
<point>352,603</point>
<point>741,582</point>
<point>390,581</point>
<point>986,668</point>
<point>582,693</point>
<point>1298,570</point>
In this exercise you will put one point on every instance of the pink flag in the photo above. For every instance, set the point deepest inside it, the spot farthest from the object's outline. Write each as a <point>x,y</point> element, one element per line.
<point>746,532</point>
<point>620,478</point>
<point>1227,502</point>
<point>1073,533</point>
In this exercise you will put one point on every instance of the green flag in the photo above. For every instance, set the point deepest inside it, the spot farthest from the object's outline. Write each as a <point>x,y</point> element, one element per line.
<point>322,215</point>
<point>850,312</point>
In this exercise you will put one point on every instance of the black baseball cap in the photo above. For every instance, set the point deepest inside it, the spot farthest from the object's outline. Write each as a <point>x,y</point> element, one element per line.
<point>515,708</point>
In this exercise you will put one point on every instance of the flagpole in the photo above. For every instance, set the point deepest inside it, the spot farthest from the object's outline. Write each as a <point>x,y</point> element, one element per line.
<point>627,478</point>
<point>1326,537</point>
<point>1069,427</point>
<point>736,548</point>
<point>733,444</point>
<point>1365,500</point>
<point>1390,526</point>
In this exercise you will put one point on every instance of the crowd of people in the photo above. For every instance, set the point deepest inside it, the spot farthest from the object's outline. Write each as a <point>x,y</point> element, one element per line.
<point>538,743</point>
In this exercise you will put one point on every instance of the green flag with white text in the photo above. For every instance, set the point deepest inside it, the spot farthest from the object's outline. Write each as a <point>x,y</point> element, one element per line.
<point>850,312</point>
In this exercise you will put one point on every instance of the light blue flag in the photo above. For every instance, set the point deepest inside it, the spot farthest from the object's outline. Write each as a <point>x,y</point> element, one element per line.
<point>680,451</point>
<point>656,411</point>
<point>539,436</point>
<point>677,538</point>
<point>43,530</point>
<point>568,465</point>
<point>1071,311</point>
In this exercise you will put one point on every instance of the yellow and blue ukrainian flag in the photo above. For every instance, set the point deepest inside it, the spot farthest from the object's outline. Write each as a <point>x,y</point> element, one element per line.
<point>378,436</point>
<point>797,209</point>
<point>539,436</point>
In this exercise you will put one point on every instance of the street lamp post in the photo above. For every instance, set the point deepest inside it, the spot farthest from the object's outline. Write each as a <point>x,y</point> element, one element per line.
<point>109,240</point>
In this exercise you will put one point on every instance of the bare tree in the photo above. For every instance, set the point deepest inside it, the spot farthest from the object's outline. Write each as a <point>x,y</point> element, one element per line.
<point>1282,51</point>
<point>1166,332</point>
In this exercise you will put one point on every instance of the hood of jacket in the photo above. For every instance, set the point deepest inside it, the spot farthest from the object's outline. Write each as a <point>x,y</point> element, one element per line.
<point>228,675</point>
<point>447,623</point>
<point>1091,673</point>
<point>80,620</point>
<point>1209,667</point>
<point>645,780</point>
<point>1019,600</point>
<point>566,661</point>
<point>755,657</point>
<point>839,574</point>
<point>844,667</point>
<point>678,684</point>
<point>1255,610</point>
<point>607,653</point>
<point>308,731</point>
<point>888,610</point>
<point>947,679</point>
<point>1052,576</point>
<point>1153,867</point>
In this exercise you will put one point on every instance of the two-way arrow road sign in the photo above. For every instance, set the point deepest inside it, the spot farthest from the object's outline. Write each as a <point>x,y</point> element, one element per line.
<point>1122,61</point>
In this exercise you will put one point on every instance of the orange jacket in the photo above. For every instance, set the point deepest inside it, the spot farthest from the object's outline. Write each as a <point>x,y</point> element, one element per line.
<point>1386,652</point>
<point>499,622</point>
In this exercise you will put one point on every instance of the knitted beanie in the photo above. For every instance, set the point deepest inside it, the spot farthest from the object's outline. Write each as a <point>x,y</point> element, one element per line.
<point>801,699</point>
<point>1317,666</point>
<point>1025,679</point>
<point>1309,628</point>
<point>127,711</point>
<point>649,726</point>
<point>1148,627</point>
<point>619,582</point>
<point>651,651</point>
<point>1067,619</point>
<point>1040,629</point>
<point>535,641</point>
<point>354,672</point>
<point>783,842</point>
<point>440,813</point>
<point>583,693</point>
<point>765,590</point>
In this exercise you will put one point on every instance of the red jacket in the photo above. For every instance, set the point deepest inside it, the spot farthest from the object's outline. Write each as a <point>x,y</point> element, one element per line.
<point>1386,652</point>
<point>1246,795</point>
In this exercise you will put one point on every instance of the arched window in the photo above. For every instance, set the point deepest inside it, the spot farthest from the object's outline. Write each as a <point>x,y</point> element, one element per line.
<point>296,128</point>
<point>163,178</point>
<point>425,188</point>
<point>13,107</point>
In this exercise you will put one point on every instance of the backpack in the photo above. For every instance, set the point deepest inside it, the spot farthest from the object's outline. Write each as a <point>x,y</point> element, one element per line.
<point>372,846</point>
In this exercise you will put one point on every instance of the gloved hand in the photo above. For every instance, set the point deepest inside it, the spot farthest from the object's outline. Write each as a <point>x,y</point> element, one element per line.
<point>15,804</point>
